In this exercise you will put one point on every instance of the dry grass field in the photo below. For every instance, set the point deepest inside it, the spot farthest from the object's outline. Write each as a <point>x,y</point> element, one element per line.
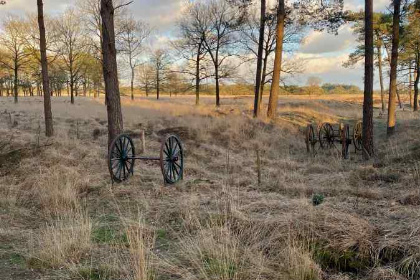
<point>62,218</point>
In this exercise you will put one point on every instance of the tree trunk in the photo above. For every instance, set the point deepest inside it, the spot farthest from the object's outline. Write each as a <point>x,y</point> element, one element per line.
<point>197,75</point>
<point>410,84</point>
<point>132,83</point>
<point>16,82</point>
<point>217,86</point>
<point>399,99</point>
<point>381,78</point>
<point>368,93</point>
<point>216,72</point>
<point>109,65</point>
<point>71,92</point>
<point>157,84</point>
<point>416,85</point>
<point>274,92</point>
<point>263,78</point>
<point>259,60</point>
<point>394,64</point>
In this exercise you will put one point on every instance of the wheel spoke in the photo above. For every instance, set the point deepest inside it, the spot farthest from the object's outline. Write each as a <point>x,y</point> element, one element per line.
<point>175,169</point>
<point>118,172</point>
<point>123,164</point>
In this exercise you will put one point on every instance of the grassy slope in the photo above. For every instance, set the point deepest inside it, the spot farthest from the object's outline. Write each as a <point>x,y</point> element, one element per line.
<point>62,218</point>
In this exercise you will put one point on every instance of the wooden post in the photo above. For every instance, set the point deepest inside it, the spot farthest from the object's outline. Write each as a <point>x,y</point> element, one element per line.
<point>258,166</point>
<point>143,142</point>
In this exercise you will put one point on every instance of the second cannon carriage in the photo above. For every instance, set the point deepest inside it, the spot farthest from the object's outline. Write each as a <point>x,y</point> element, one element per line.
<point>327,136</point>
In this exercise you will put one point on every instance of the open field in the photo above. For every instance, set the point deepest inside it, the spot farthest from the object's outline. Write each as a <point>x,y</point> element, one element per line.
<point>61,218</point>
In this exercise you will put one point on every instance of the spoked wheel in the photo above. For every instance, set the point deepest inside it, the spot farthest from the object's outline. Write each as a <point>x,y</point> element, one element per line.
<point>326,136</point>
<point>172,159</point>
<point>345,141</point>
<point>310,138</point>
<point>357,135</point>
<point>121,158</point>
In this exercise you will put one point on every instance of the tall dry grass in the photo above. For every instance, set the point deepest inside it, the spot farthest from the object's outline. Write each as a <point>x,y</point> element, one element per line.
<point>63,242</point>
<point>219,223</point>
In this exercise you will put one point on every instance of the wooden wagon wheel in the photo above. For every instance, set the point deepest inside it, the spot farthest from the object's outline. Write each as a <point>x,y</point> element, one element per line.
<point>121,158</point>
<point>172,159</point>
<point>345,141</point>
<point>326,135</point>
<point>310,138</point>
<point>358,135</point>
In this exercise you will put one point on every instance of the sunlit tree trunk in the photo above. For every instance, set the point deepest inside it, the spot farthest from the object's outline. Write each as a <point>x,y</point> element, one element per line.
<point>274,93</point>
<point>16,82</point>
<point>49,131</point>
<point>109,54</point>
<point>416,84</point>
<point>381,78</point>
<point>259,60</point>
<point>410,84</point>
<point>394,64</point>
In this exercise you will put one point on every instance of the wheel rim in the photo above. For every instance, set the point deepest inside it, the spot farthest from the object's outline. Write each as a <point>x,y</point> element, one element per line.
<point>357,135</point>
<point>326,136</point>
<point>121,158</point>
<point>308,138</point>
<point>312,138</point>
<point>172,159</point>
<point>345,141</point>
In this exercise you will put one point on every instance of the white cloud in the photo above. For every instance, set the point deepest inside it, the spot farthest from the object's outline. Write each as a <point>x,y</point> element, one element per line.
<point>323,42</point>
<point>357,5</point>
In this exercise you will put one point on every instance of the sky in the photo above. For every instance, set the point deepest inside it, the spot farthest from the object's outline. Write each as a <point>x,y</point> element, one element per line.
<point>323,53</point>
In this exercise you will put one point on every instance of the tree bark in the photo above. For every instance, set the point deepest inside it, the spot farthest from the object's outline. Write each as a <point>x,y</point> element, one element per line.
<point>109,65</point>
<point>394,64</point>
<point>410,84</point>
<point>263,78</point>
<point>274,92</point>
<point>157,83</point>
<point>132,83</point>
<point>49,130</point>
<point>16,82</point>
<point>416,85</point>
<point>217,85</point>
<point>259,60</point>
<point>381,78</point>
<point>368,94</point>
<point>197,75</point>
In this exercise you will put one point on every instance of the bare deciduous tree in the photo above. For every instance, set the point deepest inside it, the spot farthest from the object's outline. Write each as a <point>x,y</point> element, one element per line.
<point>146,77</point>
<point>193,26</point>
<point>160,61</point>
<point>132,37</point>
<point>220,38</point>
<point>71,46</point>
<point>12,39</point>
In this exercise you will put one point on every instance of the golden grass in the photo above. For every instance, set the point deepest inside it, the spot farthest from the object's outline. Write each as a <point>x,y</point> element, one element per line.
<point>219,223</point>
<point>62,243</point>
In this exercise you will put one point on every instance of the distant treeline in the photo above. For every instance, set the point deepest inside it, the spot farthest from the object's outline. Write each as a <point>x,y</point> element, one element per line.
<point>248,89</point>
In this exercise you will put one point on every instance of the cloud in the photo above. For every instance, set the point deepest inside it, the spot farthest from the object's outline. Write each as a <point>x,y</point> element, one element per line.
<point>357,5</point>
<point>323,42</point>
<point>160,14</point>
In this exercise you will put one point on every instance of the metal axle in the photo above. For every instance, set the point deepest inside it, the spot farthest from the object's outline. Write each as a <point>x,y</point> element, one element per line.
<point>145,158</point>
